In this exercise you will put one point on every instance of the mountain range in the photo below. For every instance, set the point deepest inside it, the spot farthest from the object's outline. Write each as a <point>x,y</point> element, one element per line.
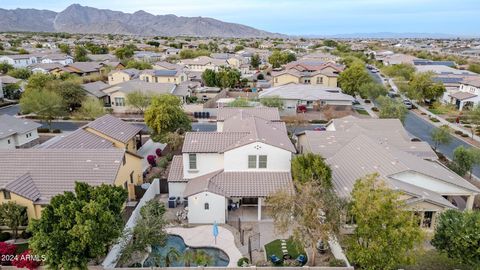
<point>87,20</point>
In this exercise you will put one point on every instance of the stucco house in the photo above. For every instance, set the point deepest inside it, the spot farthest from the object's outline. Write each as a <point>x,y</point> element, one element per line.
<point>17,133</point>
<point>467,95</point>
<point>19,60</point>
<point>101,152</point>
<point>239,165</point>
<point>123,75</point>
<point>356,147</point>
<point>62,59</point>
<point>308,72</point>
<point>163,76</point>
<point>202,63</point>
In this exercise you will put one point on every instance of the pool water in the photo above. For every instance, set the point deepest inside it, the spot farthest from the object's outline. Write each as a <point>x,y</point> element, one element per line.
<point>219,258</point>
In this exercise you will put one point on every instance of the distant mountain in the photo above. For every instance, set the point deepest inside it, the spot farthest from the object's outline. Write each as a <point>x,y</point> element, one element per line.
<point>389,35</point>
<point>81,19</point>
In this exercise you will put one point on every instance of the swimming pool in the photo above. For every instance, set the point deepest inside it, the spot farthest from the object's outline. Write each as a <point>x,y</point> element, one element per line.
<point>156,257</point>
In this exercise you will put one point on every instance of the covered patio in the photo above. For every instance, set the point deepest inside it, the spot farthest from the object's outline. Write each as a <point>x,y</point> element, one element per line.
<point>247,209</point>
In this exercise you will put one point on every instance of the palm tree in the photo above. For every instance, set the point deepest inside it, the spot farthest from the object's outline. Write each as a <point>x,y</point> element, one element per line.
<point>171,256</point>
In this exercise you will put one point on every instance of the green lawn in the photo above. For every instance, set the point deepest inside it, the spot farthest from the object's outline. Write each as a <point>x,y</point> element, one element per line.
<point>275,247</point>
<point>364,112</point>
<point>21,247</point>
<point>432,260</point>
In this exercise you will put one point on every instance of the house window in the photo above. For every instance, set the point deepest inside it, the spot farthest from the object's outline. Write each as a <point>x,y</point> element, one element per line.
<point>146,79</point>
<point>192,161</point>
<point>252,162</point>
<point>131,177</point>
<point>319,80</point>
<point>206,206</point>
<point>156,79</point>
<point>6,195</point>
<point>8,141</point>
<point>124,160</point>
<point>120,101</point>
<point>276,80</point>
<point>262,162</point>
<point>427,219</point>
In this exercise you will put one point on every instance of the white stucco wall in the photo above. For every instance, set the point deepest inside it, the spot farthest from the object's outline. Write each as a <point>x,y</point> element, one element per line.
<point>426,182</point>
<point>176,189</point>
<point>21,139</point>
<point>5,145</point>
<point>277,158</point>
<point>196,208</point>
<point>206,163</point>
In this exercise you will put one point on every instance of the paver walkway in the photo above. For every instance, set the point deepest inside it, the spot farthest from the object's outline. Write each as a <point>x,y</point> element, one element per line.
<point>202,236</point>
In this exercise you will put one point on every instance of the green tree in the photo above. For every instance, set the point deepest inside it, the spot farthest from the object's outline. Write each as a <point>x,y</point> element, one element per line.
<point>91,108</point>
<point>72,93</point>
<point>240,103</point>
<point>238,48</point>
<point>76,228</point>
<point>385,235</point>
<point>372,90</point>
<point>23,51</point>
<point>212,46</point>
<point>311,167</point>
<point>391,108</point>
<point>20,73</point>
<point>5,67</point>
<point>464,159</point>
<point>46,104</point>
<point>64,48</point>
<point>140,65</point>
<point>165,114</point>
<point>456,235</point>
<point>189,54</point>
<point>125,52</point>
<point>330,43</point>
<point>80,54</point>
<point>12,91</point>
<point>474,68</point>
<point>403,71</point>
<point>255,61</point>
<point>175,140</point>
<point>440,136</point>
<point>96,49</point>
<point>353,77</point>
<point>228,77</point>
<point>149,231</point>
<point>139,100</point>
<point>312,214</point>
<point>422,86</point>
<point>153,43</point>
<point>38,81</point>
<point>209,77</point>
<point>473,116</point>
<point>274,102</point>
<point>13,216</point>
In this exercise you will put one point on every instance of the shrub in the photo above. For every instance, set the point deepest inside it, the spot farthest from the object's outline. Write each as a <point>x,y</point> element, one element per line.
<point>435,120</point>
<point>467,126</point>
<point>26,260</point>
<point>375,109</point>
<point>450,119</point>
<point>6,249</point>
<point>243,262</point>
<point>66,118</point>
<point>423,113</point>
<point>337,263</point>
<point>43,130</point>
<point>163,163</point>
<point>151,160</point>
<point>56,131</point>
<point>169,156</point>
<point>4,236</point>
<point>319,121</point>
<point>25,235</point>
<point>458,132</point>
<point>158,151</point>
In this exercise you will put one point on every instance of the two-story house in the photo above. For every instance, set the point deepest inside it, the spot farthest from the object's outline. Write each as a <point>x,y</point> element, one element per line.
<point>202,63</point>
<point>468,94</point>
<point>123,75</point>
<point>239,165</point>
<point>17,133</point>
<point>163,76</point>
<point>102,152</point>
<point>308,72</point>
<point>19,60</point>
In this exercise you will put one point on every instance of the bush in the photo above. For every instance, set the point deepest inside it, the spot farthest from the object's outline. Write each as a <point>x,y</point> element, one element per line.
<point>151,160</point>
<point>435,120</point>
<point>243,262</point>
<point>169,156</point>
<point>25,235</point>
<point>56,131</point>
<point>43,130</point>
<point>375,109</point>
<point>337,263</point>
<point>163,163</point>
<point>4,236</point>
<point>450,119</point>
<point>319,121</point>
<point>6,249</point>
<point>25,260</point>
<point>458,132</point>
<point>467,126</point>
<point>66,118</point>
<point>158,151</point>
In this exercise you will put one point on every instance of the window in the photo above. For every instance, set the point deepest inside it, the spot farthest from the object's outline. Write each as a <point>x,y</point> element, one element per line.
<point>131,177</point>
<point>319,80</point>
<point>156,79</point>
<point>262,162</point>
<point>120,101</point>
<point>192,161</point>
<point>124,160</point>
<point>146,79</point>
<point>276,80</point>
<point>206,206</point>
<point>427,219</point>
<point>252,162</point>
<point>8,141</point>
<point>6,195</point>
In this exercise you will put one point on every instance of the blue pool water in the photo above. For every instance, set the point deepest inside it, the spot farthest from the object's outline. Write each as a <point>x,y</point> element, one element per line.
<point>219,257</point>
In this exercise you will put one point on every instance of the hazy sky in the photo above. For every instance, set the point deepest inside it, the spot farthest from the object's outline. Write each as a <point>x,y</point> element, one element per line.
<point>303,17</point>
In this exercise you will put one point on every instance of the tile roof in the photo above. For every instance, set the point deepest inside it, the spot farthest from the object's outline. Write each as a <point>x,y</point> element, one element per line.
<point>95,88</point>
<point>309,92</point>
<point>10,125</point>
<point>240,184</point>
<point>54,171</point>
<point>139,85</point>
<point>114,128</point>
<point>176,170</point>
<point>78,139</point>
<point>266,113</point>
<point>462,95</point>
<point>210,142</point>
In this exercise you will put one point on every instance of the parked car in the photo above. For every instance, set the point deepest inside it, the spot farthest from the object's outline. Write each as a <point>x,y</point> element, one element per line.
<point>320,129</point>
<point>355,102</point>
<point>408,104</point>
<point>301,109</point>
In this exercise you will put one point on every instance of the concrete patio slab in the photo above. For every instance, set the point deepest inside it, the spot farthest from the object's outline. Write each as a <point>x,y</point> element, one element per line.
<point>202,236</point>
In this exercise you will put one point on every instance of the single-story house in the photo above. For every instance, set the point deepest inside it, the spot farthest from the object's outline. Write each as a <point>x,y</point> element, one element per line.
<point>17,133</point>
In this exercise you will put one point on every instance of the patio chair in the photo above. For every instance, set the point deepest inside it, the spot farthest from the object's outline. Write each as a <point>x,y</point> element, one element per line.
<point>275,259</point>
<point>301,259</point>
